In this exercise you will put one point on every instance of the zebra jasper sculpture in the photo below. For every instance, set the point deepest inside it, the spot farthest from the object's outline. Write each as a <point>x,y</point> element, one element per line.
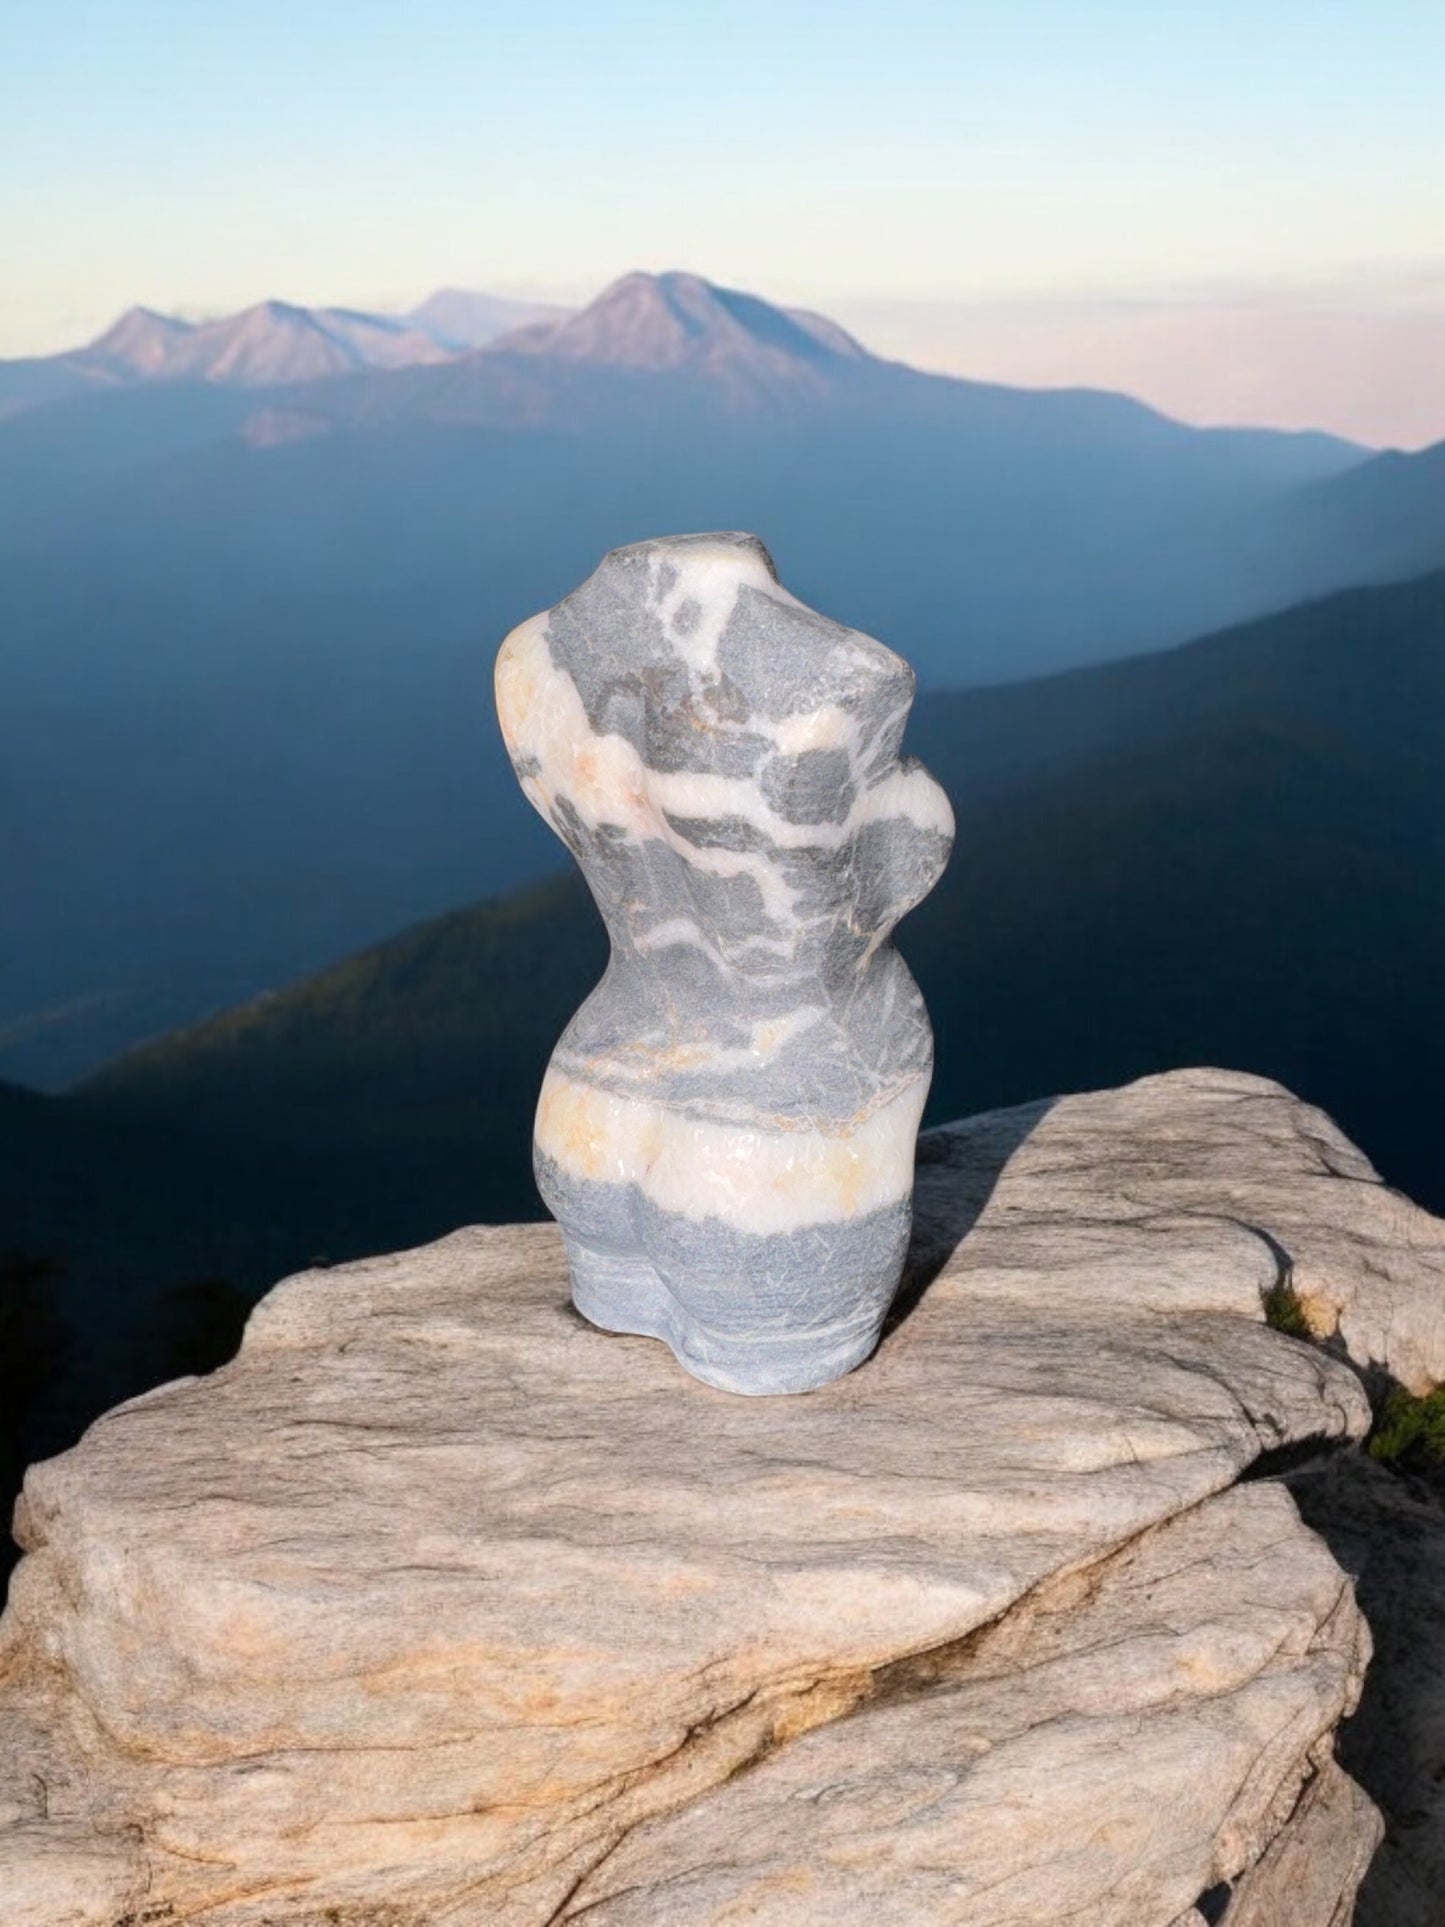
<point>726,1129</point>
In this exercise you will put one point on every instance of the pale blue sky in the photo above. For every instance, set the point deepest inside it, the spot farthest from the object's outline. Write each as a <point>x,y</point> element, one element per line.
<point>203,155</point>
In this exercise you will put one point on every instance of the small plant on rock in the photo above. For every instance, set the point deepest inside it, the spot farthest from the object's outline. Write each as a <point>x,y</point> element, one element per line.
<point>1284,1311</point>
<point>1410,1431</point>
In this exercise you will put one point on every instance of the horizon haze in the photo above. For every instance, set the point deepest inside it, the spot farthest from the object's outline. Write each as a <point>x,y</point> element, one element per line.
<point>1233,214</point>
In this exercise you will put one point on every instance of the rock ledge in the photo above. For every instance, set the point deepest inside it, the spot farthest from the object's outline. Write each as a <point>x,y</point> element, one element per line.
<point>438,1606</point>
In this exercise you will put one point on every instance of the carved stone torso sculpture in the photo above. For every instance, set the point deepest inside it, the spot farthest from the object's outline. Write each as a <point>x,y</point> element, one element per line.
<point>726,1129</point>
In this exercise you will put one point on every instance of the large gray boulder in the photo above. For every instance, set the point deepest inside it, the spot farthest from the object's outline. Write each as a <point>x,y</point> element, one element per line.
<point>438,1605</point>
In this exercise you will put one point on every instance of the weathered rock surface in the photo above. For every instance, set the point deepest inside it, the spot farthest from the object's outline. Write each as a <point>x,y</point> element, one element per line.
<point>1096,1223</point>
<point>1103,1753</point>
<point>1312,1868</point>
<point>438,1606</point>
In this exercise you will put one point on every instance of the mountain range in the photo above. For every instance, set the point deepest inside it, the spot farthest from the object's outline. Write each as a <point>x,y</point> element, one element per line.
<point>249,621</point>
<point>271,344</point>
<point>643,321</point>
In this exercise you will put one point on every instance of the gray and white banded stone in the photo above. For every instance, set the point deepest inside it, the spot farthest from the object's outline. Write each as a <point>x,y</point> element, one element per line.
<point>726,1128</point>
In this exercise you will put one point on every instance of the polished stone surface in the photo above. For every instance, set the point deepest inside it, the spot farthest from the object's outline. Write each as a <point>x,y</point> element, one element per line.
<point>726,1129</point>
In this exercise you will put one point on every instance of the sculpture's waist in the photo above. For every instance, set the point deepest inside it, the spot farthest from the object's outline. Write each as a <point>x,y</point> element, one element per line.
<point>821,1078</point>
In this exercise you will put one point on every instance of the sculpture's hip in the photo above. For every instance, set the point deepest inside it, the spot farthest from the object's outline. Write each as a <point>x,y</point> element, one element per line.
<point>764,1251</point>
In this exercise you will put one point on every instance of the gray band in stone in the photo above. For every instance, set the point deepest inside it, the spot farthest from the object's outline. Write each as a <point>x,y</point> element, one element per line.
<point>726,1301</point>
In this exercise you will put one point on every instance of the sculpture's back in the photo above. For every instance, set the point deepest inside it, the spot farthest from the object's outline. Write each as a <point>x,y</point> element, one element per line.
<point>726,1129</point>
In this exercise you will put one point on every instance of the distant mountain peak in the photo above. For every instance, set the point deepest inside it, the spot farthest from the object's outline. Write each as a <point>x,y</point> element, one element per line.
<point>140,318</point>
<point>675,320</point>
<point>140,342</point>
<point>272,310</point>
<point>265,317</point>
<point>463,318</point>
<point>270,344</point>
